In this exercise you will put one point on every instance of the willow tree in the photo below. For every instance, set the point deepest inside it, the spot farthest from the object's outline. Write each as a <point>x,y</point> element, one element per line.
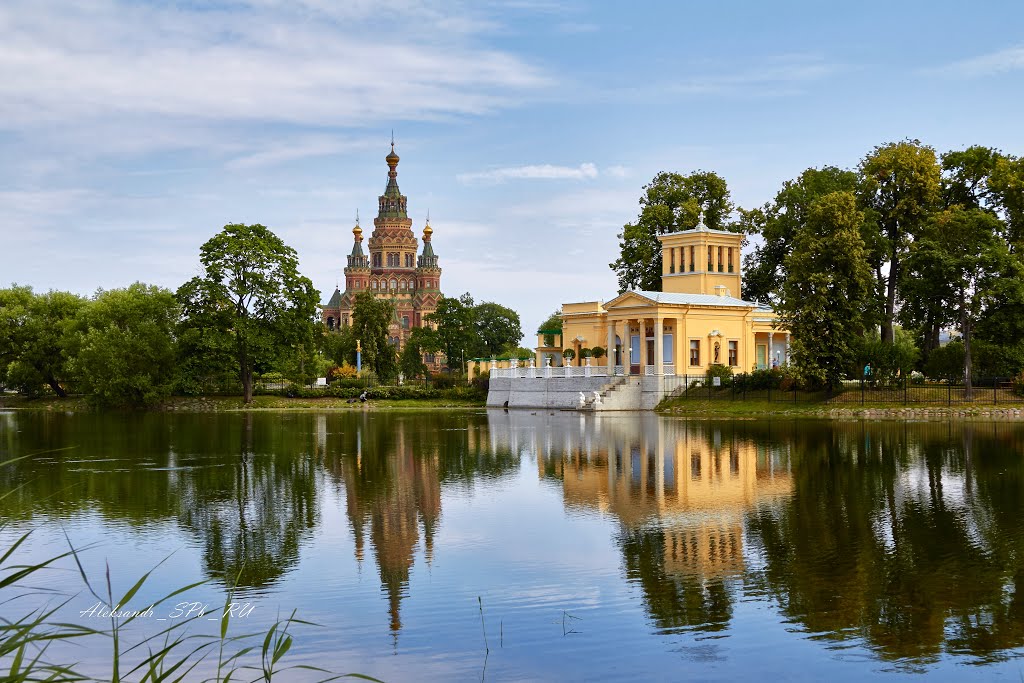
<point>251,298</point>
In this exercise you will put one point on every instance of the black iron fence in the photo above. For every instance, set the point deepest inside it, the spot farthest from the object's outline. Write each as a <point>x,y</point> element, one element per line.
<point>987,390</point>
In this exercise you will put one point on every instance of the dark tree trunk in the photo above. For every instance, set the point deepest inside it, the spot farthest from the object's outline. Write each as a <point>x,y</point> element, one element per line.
<point>57,388</point>
<point>247,386</point>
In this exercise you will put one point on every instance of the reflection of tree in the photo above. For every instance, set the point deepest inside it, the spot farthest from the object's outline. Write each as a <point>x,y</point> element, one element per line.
<point>243,484</point>
<point>674,600</point>
<point>392,468</point>
<point>881,539</point>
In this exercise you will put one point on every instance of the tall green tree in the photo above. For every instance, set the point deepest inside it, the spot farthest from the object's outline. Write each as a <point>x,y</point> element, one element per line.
<point>422,340</point>
<point>251,298</point>
<point>454,321</point>
<point>339,346</point>
<point>965,261</point>
<point>371,321</point>
<point>828,284</point>
<point>496,328</point>
<point>34,331</point>
<point>778,221</point>
<point>671,202</point>
<point>1007,191</point>
<point>123,348</point>
<point>900,186</point>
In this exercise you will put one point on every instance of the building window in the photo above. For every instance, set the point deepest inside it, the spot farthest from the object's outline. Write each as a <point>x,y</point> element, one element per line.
<point>694,352</point>
<point>721,265</point>
<point>402,285</point>
<point>730,260</point>
<point>693,259</point>
<point>711,266</point>
<point>671,260</point>
<point>376,260</point>
<point>405,322</point>
<point>734,353</point>
<point>373,285</point>
<point>344,319</point>
<point>408,260</point>
<point>330,323</point>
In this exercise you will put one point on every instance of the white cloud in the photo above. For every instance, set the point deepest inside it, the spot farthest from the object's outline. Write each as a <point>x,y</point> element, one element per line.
<point>585,171</point>
<point>69,61</point>
<point>293,150</point>
<point>993,63</point>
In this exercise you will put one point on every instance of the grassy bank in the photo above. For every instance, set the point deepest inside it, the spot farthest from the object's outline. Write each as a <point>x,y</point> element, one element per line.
<point>215,404</point>
<point>877,410</point>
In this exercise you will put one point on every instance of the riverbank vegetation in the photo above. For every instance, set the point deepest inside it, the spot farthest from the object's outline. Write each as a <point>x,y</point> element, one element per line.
<point>247,324</point>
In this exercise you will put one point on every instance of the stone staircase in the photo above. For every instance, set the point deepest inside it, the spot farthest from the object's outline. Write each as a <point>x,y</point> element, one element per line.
<point>621,393</point>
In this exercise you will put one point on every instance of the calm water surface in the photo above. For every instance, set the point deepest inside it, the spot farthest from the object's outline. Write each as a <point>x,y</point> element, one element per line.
<point>602,547</point>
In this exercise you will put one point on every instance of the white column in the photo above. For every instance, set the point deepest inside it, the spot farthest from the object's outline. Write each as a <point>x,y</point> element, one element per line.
<point>787,348</point>
<point>644,360</point>
<point>610,348</point>
<point>659,350</point>
<point>771,349</point>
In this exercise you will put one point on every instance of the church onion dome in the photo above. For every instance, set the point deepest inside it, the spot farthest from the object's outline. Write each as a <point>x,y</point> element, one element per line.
<point>357,259</point>
<point>427,259</point>
<point>392,158</point>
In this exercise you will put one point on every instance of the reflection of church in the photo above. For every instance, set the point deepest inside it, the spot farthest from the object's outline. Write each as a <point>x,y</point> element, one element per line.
<point>388,500</point>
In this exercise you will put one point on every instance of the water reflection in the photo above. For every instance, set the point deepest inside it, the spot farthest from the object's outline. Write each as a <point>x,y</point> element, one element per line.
<point>680,492</point>
<point>905,539</point>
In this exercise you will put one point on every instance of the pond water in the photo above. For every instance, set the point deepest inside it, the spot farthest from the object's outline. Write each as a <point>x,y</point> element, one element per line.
<point>544,546</point>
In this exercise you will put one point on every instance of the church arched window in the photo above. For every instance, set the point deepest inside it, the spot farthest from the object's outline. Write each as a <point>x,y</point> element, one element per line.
<point>394,284</point>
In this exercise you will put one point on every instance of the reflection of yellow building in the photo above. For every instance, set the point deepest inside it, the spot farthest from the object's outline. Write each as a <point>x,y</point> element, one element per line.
<point>696,321</point>
<point>692,483</point>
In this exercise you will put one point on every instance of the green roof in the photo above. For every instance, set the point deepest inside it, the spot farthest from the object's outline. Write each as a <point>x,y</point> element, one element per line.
<point>551,331</point>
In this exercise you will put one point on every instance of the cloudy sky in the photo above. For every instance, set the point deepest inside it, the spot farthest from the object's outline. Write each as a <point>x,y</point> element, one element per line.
<point>130,132</point>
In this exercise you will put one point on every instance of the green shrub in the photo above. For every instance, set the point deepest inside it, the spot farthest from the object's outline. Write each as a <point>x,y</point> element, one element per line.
<point>722,371</point>
<point>568,354</point>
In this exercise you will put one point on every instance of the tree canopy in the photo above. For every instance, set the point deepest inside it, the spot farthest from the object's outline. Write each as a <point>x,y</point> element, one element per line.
<point>671,202</point>
<point>251,299</point>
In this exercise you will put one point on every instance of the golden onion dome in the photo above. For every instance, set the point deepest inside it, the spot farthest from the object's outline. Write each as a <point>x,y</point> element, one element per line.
<point>357,231</point>
<point>392,158</point>
<point>427,230</point>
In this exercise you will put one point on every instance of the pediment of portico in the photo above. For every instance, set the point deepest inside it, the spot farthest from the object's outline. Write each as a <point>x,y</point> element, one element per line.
<point>629,300</point>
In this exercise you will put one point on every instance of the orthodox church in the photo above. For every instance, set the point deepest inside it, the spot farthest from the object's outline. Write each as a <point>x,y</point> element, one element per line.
<point>390,268</point>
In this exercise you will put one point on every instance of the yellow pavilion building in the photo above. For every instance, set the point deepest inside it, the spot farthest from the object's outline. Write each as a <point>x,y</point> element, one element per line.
<point>695,322</point>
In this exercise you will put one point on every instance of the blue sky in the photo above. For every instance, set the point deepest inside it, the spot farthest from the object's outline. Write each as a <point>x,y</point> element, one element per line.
<point>131,132</point>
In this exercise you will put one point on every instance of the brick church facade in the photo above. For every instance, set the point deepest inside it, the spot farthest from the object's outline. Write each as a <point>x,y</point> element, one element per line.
<point>390,268</point>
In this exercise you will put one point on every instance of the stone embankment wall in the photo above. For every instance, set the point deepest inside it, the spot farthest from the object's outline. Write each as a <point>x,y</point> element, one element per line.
<point>617,393</point>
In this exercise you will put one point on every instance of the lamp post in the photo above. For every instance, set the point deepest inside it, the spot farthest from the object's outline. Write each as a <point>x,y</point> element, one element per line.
<point>359,356</point>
